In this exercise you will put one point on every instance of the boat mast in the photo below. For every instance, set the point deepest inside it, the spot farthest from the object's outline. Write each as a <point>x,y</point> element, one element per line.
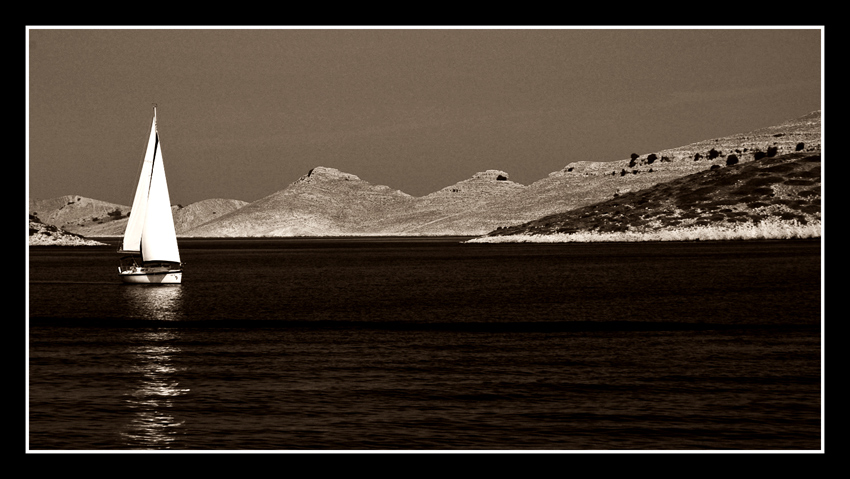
<point>155,147</point>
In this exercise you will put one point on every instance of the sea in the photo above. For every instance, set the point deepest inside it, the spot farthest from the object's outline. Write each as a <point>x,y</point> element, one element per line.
<point>429,345</point>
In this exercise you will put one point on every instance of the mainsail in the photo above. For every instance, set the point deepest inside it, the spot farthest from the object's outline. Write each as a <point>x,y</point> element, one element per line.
<point>150,228</point>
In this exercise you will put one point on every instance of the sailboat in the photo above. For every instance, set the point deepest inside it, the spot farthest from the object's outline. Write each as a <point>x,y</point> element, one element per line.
<point>149,249</point>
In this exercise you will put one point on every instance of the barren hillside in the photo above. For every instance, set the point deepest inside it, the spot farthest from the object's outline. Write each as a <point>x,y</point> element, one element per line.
<point>772,189</point>
<point>328,202</point>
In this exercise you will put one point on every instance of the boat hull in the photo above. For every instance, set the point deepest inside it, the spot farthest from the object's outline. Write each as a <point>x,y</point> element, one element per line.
<point>161,277</point>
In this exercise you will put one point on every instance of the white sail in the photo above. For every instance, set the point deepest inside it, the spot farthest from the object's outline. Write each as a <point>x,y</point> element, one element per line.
<point>136,222</point>
<point>150,228</point>
<point>159,241</point>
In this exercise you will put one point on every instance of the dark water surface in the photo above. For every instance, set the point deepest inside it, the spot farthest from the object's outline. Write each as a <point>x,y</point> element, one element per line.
<point>429,344</point>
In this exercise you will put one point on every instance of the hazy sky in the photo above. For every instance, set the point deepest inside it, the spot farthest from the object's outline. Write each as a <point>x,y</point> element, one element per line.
<point>245,112</point>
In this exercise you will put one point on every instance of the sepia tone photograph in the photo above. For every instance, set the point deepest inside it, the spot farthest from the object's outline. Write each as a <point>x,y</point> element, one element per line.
<point>424,239</point>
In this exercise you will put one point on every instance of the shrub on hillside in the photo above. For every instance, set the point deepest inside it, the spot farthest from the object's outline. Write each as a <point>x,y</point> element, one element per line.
<point>731,160</point>
<point>712,154</point>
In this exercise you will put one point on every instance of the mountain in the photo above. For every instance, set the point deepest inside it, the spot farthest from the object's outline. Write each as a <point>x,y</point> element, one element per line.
<point>324,202</point>
<point>328,202</point>
<point>777,192</point>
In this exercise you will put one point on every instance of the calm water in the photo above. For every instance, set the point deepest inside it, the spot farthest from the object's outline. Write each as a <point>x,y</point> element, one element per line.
<point>373,344</point>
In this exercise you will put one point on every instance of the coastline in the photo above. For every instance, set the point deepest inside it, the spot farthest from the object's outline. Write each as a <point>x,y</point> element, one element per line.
<point>771,229</point>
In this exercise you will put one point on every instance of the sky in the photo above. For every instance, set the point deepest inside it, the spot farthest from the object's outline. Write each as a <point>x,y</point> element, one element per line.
<point>244,112</point>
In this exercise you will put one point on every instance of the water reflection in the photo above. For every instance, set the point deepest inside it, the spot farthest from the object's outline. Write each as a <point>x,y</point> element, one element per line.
<point>153,364</point>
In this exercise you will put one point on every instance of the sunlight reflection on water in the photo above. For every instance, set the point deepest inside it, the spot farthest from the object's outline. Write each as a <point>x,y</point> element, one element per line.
<point>151,424</point>
<point>154,302</point>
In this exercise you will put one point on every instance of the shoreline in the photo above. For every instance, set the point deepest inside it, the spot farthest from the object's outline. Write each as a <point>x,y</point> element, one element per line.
<point>766,230</point>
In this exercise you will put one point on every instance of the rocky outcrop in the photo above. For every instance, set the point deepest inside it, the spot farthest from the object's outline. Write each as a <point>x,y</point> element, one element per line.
<point>41,234</point>
<point>321,173</point>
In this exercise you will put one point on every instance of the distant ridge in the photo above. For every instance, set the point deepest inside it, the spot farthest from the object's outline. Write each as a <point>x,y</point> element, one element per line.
<point>328,202</point>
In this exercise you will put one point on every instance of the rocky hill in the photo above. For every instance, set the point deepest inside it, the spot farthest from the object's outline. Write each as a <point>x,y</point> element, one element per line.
<point>775,191</point>
<point>328,202</point>
<point>324,202</point>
